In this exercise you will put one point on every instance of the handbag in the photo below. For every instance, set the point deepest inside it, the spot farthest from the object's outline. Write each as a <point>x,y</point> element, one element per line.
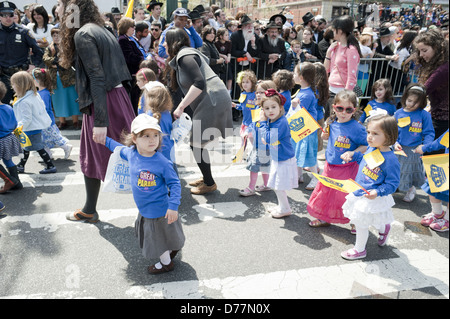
<point>117,178</point>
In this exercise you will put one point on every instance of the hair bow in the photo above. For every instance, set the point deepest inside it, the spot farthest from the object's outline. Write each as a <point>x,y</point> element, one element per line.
<point>272,92</point>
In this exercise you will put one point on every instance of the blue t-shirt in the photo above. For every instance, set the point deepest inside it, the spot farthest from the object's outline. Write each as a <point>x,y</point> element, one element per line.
<point>247,106</point>
<point>308,101</point>
<point>384,179</point>
<point>151,180</point>
<point>165,123</point>
<point>390,108</point>
<point>287,104</point>
<point>344,137</point>
<point>8,122</point>
<point>47,98</point>
<point>420,130</point>
<point>278,135</point>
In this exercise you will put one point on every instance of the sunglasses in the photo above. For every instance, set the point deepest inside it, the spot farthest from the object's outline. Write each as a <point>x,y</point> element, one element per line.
<point>154,29</point>
<point>341,109</point>
<point>7,14</point>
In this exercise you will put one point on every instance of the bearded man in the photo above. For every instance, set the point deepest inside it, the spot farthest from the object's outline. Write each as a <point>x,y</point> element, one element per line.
<point>273,51</point>
<point>244,42</point>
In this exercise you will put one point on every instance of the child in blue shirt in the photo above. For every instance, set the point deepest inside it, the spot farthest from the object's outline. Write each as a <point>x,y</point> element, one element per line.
<point>275,131</point>
<point>9,146</point>
<point>345,137</point>
<point>51,136</point>
<point>438,218</point>
<point>380,180</point>
<point>306,149</point>
<point>284,80</point>
<point>247,101</point>
<point>158,228</point>
<point>415,128</point>
<point>382,98</point>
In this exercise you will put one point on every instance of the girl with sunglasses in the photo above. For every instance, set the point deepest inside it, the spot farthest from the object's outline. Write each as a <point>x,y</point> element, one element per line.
<point>345,137</point>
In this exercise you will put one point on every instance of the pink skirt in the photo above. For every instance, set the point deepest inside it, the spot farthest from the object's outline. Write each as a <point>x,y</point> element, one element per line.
<point>326,203</point>
<point>94,157</point>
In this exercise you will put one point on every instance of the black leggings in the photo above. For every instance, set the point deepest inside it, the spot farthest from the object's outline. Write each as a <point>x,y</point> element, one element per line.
<point>201,156</point>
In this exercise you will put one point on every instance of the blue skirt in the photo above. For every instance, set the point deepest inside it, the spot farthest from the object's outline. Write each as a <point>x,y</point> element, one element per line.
<point>306,150</point>
<point>412,172</point>
<point>64,100</point>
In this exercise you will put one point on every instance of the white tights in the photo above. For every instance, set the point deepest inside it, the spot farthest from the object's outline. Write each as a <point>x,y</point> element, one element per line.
<point>362,235</point>
<point>283,201</point>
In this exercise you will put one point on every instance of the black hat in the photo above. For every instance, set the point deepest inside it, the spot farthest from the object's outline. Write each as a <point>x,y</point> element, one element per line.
<point>115,10</point>
<point>283,18</point>
<point>200,9</point>
<point>7,6</point>
<point>307,17</point>
<point>245,20</point>
<point>194,15</point>
<point>272,25</point>
<point>152,4</point>
<point>361,23</point>
<point>385,31</point>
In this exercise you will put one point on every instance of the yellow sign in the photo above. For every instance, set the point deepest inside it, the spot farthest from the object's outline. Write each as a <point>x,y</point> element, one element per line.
<point>302,124</point>
<point>256,114</point>
<point>374,159</point>
<point>404,121</point>
<point>242,98</point>
<point>368,109</point>
<point>23,138</point>
<point>444,140</point>
<point>346,186</point>
<point>436,167</point>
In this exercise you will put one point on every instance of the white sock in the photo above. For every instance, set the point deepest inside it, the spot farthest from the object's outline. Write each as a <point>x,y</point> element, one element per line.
<point>436,208</point>
<point>362,235</point>
<point>283,201</point>
<point>165,258</point>
<point>300,173</point>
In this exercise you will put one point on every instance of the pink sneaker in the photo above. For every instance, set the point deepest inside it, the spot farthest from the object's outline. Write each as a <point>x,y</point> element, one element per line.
<point>384,236</point>
<point>440,225</point>
<point>430,218</point>
<point>353,254</point>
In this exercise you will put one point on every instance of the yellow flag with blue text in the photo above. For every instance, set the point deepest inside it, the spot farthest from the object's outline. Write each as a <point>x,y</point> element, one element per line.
<point>346,186</point>
<point>22,137</point>
<point>436,167</point>
<point>302,124</point>
<point>129,13</point>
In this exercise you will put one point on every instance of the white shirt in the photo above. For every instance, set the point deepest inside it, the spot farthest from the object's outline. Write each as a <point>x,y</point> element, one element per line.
<point>40,34</point>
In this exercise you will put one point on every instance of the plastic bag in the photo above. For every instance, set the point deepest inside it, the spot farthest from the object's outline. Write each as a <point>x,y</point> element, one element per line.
<point>181,128</point>
<point>117,178</point>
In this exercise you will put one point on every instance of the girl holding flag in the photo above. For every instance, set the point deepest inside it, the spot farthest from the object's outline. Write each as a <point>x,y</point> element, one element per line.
<point>379,174</point>
<point>345,137</point>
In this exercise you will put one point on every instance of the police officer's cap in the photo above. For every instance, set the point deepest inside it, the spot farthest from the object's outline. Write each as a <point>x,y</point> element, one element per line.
<point>6,6</point>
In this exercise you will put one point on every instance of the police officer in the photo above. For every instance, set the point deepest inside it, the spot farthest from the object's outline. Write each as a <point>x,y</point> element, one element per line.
<point>15,44</point>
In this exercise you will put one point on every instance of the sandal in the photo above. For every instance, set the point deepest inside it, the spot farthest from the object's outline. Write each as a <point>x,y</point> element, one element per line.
<point>384,236</point>
<point>318,223</point>
<point>246,192</point>
<point>78,215</point>
<point>262,188</point>
<point>352,229</point>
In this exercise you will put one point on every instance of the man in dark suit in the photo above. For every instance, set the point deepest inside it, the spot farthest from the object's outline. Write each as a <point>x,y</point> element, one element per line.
<point>273,51</point>
<point>155,13</point>
<point>244,43</point>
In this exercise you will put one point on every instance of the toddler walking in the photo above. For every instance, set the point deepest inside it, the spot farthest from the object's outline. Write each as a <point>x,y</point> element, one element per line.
<point>275,131</point>
<point>380,180</point>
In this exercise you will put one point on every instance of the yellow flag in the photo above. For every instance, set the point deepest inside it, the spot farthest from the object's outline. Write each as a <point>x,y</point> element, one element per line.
<point>129,13</point>
<point>302,124</point>
<point>240,154</point>
<point>23,138</point>
<point>374,159</point>
<point>444,140</point>
<point>346,186</point>
<point>436,167</point>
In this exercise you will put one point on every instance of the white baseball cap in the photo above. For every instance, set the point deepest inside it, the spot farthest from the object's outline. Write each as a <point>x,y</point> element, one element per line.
<point>144,122</point>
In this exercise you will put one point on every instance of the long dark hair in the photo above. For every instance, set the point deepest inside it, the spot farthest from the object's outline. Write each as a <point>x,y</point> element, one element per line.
<point>39,9</point>
<point>88,13</point>
<point>407,39</point>
<point>346,25</point>
<point>176,39</point>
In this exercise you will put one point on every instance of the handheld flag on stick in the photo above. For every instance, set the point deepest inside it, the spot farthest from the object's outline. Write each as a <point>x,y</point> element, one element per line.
<point>302,124</point>
<point>436,167</point>
<point>23,138</point>
<point>346,186</point>
<point>129,13</point>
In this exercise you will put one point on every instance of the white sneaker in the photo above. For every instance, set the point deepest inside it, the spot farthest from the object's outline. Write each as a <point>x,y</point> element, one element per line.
<point>67,150</point>
<point>312,184</point>
<point>410,194</point>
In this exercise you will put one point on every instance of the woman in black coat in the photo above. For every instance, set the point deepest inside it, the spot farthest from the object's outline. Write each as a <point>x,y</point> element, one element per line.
<point>134,54</point>
<point>209,49</point>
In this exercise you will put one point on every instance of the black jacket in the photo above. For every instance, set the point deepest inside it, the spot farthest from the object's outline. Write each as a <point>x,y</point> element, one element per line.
<point>100,67</point>
<point>238,44</point>
<point>132,54</point>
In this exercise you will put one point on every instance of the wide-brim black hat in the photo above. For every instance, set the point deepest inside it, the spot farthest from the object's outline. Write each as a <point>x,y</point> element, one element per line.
<point>115,10</point>
<point>385,31</point>
<point>245,20</point>
<point>153,3</point>
<point>272,25</point>
<point>307,17</point>
<point>283,18</point>
<point>194,15</point>
<point>200,9</point>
